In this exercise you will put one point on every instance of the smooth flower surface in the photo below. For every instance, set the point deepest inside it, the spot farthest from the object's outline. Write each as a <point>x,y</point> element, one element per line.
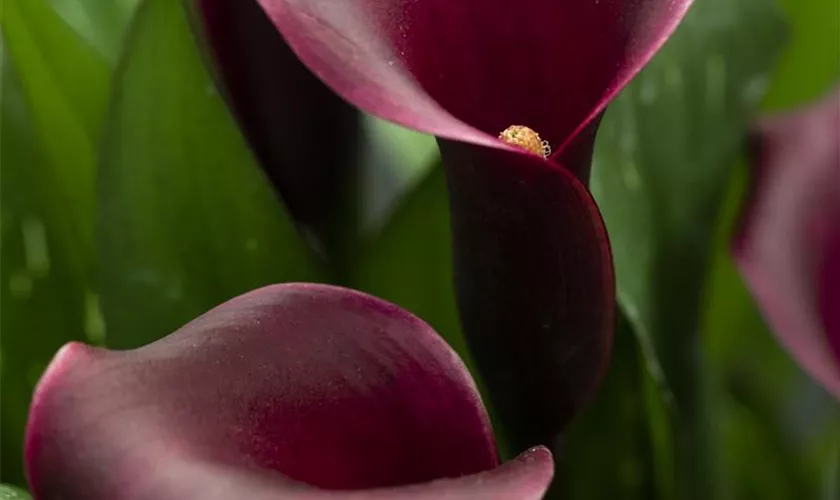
<point>788,246</point>
<point>533,268</point>
<point>286,392</point>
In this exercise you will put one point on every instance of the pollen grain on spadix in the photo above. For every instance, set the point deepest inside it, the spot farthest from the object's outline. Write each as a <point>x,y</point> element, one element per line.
<point>525,138</point>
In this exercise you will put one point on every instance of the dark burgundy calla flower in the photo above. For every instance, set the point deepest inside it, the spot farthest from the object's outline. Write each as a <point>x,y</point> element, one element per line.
<point>788,246</point>
<point>296,391</point>
<point>533,267</point>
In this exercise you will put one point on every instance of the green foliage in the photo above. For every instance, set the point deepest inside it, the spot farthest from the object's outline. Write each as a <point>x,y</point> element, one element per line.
<point>8,492</point>
<point>663,159</point>
<point>810,64</point>
<point>102,23</point>
<point>52,100</point>
<point>187,219</point>
<point>661,167</point>
<point>65,86</point>
<point>608,452</point>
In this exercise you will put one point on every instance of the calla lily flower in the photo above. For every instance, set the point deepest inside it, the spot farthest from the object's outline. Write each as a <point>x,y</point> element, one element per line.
<point>297,391</point>
<point>513,91</point>
<point>788,244</point>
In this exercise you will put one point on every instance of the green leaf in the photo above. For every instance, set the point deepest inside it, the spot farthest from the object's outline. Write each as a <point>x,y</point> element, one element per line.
<point>65,85</point>
<point>52,99</point>
<point>393,162</point>
<point>831,474</point>
<point>810,65</point>
<point>11,493</point>
<point>661,166</point>
<point>608,447</point>
<point>102,23</point>
<point>187,219</point>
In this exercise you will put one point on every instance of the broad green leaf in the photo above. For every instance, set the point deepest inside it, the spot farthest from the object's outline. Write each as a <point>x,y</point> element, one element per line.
<point>65,85</point>
<point>102,23</point>
<point>661,165</point>
<point>52,100</point>
<point>186,218</point>
<point>810,65</point>
<point>831,469</point>
<point>8,492</point>
<point>607,453</point>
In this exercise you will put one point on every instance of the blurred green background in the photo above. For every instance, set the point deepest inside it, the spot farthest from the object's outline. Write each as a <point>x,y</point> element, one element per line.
<point>130,203</point>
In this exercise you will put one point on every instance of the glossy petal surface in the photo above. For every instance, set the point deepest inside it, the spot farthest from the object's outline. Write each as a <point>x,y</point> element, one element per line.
<point>303,134</point>
<point>328,386</point>
<point>788,248</point>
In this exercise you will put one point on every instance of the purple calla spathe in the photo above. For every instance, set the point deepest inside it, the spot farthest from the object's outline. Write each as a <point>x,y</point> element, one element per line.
<point>291,391</point>
<point>788,245</point>
<point>533,267</point>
